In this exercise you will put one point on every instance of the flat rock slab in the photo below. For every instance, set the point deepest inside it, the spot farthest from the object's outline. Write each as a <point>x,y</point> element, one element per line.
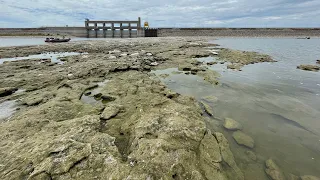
<point>231,124</point>
<point>212,99</point>
<point>110,112</point>
<point>207,108</point>
<point>273,170</point>
<point>308,177</point>
<point>307,67</point>
<point>243,139</point>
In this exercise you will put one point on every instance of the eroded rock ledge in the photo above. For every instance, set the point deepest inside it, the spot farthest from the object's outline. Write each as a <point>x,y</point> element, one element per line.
<point>151,136</point>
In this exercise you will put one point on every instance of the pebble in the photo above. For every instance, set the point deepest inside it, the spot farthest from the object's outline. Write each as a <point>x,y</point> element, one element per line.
<point>154,64</point>
<point>134,55</point>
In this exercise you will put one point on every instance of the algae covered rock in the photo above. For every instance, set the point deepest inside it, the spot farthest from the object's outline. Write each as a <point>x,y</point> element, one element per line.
<point>33,101</point>
<point>207,108</point>
<point>243,139</point>
<point>209,76</point>
<point>209,149</point>
<point>251,155</point>
<point>212,99</point>
<point>231,124</point>
<point>241,58</point>
<point>110,111</point>
<point>232,170</point>
<point>293,177</point>
<point>273,171</point>
<point>307,67</point>
<point>309,177</point>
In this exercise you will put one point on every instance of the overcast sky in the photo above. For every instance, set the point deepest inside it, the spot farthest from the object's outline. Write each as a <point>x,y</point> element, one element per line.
<point>163,13</point>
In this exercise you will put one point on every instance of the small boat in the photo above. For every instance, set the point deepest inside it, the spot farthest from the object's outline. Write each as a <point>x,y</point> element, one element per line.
<point>304,38</point>
<point>57,40</point>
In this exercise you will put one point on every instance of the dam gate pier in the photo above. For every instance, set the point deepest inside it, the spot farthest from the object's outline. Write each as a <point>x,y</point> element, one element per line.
<point>112,29</point>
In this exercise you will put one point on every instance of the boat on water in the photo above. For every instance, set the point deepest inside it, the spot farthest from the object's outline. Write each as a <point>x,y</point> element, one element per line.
<point>304,38</point>
<point>57,40</point>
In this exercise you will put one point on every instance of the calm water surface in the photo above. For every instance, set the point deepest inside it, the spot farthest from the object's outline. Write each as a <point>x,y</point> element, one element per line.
<point>278,105</point>
<point>26,41</point>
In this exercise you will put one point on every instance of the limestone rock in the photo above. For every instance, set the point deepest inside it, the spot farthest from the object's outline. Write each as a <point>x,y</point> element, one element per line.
<point>112,57</point>
<point>185,67</point>
<point>210,156</point>
<point>70,76</point>
<point>307,67</point>
<point>227,156</point>
<point>209,148</point>
<point>109,112</point>
<point>251,155</point>
<point>207,108</point>
<point>7,91</point>
<point>309,177</point>
<point>212,99</point>
<point>231,124</point>
<point>154,64</point>
<point>236,66</point>
<point>164,76</point>
<point>273,171</point>
<point>212,63</point>
<point>293,177</point>
<point>116,51</point>
<point>67,155</point>
<point>32,101</point>
<point>134,55</point>
<point>108,98</point>
<point>243,139</point>
<point>209,76</point>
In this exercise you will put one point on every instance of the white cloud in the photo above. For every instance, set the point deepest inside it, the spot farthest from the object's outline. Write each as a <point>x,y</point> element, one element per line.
<point>165,13</point>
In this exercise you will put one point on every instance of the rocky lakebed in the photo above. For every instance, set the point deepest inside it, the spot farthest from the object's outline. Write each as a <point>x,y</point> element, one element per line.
<point>102,113</point>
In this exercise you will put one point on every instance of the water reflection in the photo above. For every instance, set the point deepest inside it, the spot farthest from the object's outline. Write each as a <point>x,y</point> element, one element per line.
<point>7,108</point>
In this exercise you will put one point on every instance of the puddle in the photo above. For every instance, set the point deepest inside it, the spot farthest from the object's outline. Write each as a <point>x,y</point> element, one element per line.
<point>181,82</point>
<point>20,91</point>
<point>93,96</point>
<point>7,108</point>
<point>54,56</point>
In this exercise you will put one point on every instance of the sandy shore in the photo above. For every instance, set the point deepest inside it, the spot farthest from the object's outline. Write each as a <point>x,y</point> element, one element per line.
<point>103,115</point>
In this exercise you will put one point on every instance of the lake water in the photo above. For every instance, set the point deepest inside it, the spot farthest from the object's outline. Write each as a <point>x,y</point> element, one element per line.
<point>26,41</point>
<point>277,104</point>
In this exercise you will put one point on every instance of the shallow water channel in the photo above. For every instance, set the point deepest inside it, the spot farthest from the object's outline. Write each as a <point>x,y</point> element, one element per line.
<point>53,56</point>
<point>277,104</point>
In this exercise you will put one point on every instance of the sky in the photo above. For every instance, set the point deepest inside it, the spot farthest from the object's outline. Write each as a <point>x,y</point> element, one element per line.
<point>162,13</point>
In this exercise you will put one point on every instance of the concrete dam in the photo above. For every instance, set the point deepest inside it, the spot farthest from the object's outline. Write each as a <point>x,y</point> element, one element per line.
<point>131,29</point>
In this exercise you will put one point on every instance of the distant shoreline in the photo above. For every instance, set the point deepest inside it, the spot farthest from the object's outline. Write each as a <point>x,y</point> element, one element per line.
<point>170,32</point>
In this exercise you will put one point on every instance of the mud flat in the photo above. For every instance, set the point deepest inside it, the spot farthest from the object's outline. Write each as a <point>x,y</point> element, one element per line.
<point>140,129</point>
